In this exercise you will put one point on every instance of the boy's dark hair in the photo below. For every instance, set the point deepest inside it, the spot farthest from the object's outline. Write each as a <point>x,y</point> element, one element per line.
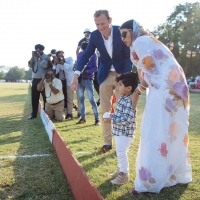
<point>129,79</point>
<point>102,12</point>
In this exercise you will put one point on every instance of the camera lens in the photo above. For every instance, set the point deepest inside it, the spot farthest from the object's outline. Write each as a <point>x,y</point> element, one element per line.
<point>47,76</point>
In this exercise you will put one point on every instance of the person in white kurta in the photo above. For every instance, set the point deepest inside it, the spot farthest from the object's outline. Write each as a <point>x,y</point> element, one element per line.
<point>162,159</point>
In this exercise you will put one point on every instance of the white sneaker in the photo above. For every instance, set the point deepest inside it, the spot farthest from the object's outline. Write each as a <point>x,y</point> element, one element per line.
<point>115,174</point>
<point>122,178</point>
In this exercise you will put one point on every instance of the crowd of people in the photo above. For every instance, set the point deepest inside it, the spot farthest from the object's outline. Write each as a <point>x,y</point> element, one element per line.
<point>194,83</point>
<point>162,158</point>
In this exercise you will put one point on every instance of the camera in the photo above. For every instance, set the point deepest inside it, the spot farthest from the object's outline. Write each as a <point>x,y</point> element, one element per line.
<point>47,76</point>
<point>36,53</point>
<point>61,59</point>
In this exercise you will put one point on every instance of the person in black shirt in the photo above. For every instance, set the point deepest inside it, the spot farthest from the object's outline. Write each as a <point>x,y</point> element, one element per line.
<point>85,39</point>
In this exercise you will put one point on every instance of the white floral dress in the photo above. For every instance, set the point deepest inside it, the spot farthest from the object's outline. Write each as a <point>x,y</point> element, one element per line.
<point>162,159</point>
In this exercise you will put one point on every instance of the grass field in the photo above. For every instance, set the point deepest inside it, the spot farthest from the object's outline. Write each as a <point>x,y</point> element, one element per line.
<point>26,178</point>
<point>42,178</point>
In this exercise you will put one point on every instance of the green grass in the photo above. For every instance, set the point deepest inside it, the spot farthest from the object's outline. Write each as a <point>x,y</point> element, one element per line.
<point>26,178</point>
<point>88,138</point>
<point>42,178</point>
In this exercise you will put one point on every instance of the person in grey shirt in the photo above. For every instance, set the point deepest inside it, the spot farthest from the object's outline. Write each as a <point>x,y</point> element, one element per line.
<point>38,63</point>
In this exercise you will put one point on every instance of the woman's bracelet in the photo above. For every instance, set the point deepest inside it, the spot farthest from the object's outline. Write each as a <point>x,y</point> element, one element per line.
<point>143,86</point>
<point>141,90</point>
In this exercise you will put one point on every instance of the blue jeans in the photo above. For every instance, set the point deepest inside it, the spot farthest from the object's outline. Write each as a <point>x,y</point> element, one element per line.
<point>89,87</point>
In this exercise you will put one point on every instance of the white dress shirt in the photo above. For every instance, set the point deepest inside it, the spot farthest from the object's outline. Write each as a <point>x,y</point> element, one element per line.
<point>109,46</point>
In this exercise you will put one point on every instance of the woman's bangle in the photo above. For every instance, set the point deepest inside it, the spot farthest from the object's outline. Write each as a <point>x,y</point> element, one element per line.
<point>49,83</point>
<point>143,86</point>
<point>140,89</point>
<point>137,92</point>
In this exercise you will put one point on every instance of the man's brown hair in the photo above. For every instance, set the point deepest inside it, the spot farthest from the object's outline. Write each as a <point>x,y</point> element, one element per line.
<point>102,12</point>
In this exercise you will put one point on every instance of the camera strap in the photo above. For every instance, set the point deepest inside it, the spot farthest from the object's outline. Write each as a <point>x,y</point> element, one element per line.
<point>36,68</point>
<point>49,95</point>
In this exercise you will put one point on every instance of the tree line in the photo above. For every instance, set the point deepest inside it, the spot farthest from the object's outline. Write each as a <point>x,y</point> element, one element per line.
<point>15,73</point>
<point>182,28</point>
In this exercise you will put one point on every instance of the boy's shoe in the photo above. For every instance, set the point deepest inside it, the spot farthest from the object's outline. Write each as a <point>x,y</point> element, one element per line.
<point>122,178</point>
<point>97,122</point>
<point>115,174</point>
<point>104,149</point>
<point>69,116</point>
<point>81,121</point>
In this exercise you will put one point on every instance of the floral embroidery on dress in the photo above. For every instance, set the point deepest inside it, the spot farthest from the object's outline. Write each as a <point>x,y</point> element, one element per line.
<point>177,86</point>
<point>170,105</point>
<point>145,176</point>
<point>151,82</point>
<point>159,54</point>
<point>135,57</point>
<point>186,140</point>
<point>181,89</point>
<point>163,149</point>
<point>174,75</point>
<point>173,131</point>
<point>188,157</point>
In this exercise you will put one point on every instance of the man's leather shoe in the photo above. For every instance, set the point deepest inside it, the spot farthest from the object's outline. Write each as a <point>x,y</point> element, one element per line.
<point>31,117</point>
<point>104,149</point>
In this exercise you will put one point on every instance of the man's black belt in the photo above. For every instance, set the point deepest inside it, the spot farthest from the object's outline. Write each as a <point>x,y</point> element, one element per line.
<point>88,79</point>
<point>56,103</point>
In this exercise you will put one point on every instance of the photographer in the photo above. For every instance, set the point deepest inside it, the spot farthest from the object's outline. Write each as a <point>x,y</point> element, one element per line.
<point>54,95</point>
<point>38,63</point>
<point>58,65</point>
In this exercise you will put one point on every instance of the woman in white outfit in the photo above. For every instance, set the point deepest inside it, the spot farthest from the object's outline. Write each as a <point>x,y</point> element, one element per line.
<point>162,158</point>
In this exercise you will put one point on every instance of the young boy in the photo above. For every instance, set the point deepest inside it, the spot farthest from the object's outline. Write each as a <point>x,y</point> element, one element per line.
<point>124,125</point>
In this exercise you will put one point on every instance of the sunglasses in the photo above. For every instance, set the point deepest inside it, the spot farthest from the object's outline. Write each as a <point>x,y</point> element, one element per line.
<point>124,34</point>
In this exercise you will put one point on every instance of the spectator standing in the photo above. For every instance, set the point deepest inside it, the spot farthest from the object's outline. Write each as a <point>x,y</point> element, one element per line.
<point>86,83</point>
<point>85,39</point>
<point>38,63</point>
<point>114,60</point>
<point>69,72</point>
<point>58,63</point>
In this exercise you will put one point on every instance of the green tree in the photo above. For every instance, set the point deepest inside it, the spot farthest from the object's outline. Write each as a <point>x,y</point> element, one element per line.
<point>28,74</point>
<point>2,72</point>
<point>183,29</point>
<point>14,74</point>
<point>2,75</point>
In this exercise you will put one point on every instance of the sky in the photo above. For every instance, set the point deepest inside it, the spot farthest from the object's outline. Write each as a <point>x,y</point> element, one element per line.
<point>59,24</point>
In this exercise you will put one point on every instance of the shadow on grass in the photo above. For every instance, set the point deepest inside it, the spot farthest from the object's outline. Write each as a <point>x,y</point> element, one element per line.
<point>10,140</point>
<point>13,98</point>
<point>172,193</point>
<point>10,124</point>
<point>35,177</point>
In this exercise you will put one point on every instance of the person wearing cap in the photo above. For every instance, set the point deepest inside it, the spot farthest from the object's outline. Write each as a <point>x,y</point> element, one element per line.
<point>86,84</point>
<point>38,63</point>
<point>114,60</point>
<point>162,159</point>
<point>85,39</point>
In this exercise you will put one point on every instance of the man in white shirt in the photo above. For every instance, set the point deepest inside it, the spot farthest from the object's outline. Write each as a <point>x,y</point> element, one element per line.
<point>114,60</point>
<point>54,95</point>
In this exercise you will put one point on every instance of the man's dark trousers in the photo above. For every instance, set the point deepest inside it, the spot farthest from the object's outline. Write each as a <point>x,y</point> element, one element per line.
<point>35,96</point>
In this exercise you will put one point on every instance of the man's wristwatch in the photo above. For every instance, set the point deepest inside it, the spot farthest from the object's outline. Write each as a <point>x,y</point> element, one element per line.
<point>49,83</point>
